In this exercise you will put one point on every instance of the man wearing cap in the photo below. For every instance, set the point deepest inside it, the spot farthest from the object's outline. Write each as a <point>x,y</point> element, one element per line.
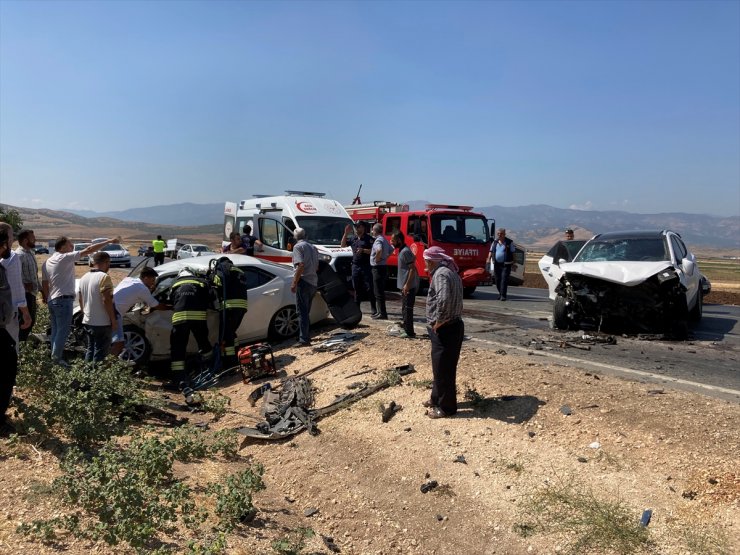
<point>569,235</point>
<point>362,278</point>
<point>446,330</point>
<point>95,297</point>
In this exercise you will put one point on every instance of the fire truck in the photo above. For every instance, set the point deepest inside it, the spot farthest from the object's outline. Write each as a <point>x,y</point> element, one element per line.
<point>463,234</point>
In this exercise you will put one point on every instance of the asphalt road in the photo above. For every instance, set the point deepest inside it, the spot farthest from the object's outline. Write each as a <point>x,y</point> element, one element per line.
<point>708,363</point>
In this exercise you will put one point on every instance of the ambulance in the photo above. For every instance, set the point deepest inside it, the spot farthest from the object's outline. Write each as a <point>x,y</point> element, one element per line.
<point>274,218</point>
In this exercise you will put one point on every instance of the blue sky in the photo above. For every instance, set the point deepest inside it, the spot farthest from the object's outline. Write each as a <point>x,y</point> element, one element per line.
<point>599,105</point>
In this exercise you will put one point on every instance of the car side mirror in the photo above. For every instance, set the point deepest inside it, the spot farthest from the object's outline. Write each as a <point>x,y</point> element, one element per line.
<point>688,266</point>
<point>561,261</point>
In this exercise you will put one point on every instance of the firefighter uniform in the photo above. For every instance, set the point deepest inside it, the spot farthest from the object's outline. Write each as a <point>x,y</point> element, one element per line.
<point>191,297</point>
<point>230,284</point>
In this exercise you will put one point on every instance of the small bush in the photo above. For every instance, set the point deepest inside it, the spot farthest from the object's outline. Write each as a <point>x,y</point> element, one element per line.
<point>593,524</point>
<point>234,497</point>
<point>293,543</point>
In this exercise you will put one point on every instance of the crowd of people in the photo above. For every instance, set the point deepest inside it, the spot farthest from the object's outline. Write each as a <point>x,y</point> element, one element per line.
<point>103,305</point>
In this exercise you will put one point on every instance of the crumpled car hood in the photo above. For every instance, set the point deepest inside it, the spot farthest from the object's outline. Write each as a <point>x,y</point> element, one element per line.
<point>625,273</point>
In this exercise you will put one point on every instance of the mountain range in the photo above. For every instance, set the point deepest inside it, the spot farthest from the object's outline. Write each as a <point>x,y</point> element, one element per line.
<point>535,225</point>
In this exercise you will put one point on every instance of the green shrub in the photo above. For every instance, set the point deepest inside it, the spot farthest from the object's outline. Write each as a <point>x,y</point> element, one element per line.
<point>234,497</point>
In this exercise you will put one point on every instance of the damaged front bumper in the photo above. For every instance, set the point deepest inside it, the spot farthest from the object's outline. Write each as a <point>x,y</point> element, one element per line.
<point>654,305</point>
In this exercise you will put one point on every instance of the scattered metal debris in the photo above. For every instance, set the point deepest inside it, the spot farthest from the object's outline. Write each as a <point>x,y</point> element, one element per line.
<point>428,486</point>
<point>566,410</point>
<point>390,410</point>
<point>337,342</point>
<point>646,516</point>
<point>460,459</point>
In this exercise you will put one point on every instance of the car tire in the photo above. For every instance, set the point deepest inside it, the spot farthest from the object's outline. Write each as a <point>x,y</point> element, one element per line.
<point>136,347</point>
<point>696,312</point>
<point>284,323</point>
<point>560,320</point>
<point>468,292</point>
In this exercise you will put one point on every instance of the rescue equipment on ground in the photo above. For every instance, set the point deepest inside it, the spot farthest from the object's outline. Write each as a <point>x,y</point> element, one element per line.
<point>256,361</point>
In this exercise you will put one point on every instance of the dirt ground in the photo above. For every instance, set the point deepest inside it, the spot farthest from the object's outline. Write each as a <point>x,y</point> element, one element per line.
<point>673,452</point>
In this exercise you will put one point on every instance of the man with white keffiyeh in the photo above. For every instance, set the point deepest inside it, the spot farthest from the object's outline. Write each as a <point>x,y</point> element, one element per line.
<point>446,330</point>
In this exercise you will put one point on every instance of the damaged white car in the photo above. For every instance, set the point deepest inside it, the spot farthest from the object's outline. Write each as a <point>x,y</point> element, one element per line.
<point>633,281</point>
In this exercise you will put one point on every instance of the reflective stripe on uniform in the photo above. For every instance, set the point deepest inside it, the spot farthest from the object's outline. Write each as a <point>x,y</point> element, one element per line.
<point>230,350</point>
<point>188,315</point>
<point>188,281</point>
<point>177,365</point>
<point>235,303</point>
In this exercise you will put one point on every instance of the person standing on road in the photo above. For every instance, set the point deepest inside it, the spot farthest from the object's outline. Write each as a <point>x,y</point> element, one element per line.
<point>8,352</point>
<point>378,262</point>
<point>29,276</point>
<point>12,264</point>
<point>158,245</point>
<point>407,282</point>
<point>446,330</point>
<point>58,290</point>
<point>362,275</point>
<point>96,302</point>
<point>305,282</point>
<point>131,291</point>
<point>502,254</point>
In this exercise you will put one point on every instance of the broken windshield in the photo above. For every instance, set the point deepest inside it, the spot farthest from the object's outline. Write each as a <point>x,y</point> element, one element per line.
<point>651,249</point>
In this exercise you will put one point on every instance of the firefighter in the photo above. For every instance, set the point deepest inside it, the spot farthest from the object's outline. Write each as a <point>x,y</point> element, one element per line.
<point>230,284</point>
<point>191,298</point>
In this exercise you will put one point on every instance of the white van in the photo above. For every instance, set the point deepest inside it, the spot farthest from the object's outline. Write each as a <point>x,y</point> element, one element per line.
<point>273,220</point>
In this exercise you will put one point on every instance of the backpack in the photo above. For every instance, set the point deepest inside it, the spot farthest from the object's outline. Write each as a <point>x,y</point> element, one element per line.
<point>7,308</point>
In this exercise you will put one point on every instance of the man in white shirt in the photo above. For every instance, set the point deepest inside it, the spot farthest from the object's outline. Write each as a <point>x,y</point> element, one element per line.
<point>128,293</point>
<point>12,267</point>
<point>29,275</point>
<point>58,290</point>
<point>96,301</point>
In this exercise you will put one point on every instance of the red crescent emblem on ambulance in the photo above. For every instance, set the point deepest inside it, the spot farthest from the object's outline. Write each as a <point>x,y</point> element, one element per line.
<point>306,207</point>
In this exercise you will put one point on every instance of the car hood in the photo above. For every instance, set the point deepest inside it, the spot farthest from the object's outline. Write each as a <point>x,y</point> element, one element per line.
<point>625,273</point>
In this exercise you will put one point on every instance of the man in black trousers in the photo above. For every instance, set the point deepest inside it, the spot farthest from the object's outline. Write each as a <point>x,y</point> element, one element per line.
<point>446,330</point>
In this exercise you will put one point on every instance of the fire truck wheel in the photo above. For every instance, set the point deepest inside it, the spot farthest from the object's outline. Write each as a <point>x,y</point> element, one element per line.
<point>468,292</point>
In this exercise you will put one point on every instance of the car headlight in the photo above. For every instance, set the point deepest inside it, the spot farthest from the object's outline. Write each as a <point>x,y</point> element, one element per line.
<point>324,257</point>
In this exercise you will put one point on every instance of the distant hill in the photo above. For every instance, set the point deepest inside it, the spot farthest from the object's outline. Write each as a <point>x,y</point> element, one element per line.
<point>185,213</point>
<point>536,225</point>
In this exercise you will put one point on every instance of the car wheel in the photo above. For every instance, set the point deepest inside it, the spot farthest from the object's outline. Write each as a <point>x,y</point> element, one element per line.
<point>696,312</point>
<point>468,292</point>
<point>136,348</point>
<point>284,323</point>
<point>560,319</point>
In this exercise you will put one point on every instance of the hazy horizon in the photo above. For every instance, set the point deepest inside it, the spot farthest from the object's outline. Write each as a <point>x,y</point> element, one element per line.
<point>631,106</point>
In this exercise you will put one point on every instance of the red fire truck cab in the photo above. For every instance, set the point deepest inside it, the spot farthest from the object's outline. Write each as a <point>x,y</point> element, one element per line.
<point>462,233</point>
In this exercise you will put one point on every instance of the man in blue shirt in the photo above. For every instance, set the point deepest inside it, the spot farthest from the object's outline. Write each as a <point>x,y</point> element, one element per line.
<point>502,253</point>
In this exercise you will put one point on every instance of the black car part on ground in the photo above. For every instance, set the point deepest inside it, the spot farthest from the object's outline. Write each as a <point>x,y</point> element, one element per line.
<point>656,305</point>
<point>287,411</point>
<point>337,297</point>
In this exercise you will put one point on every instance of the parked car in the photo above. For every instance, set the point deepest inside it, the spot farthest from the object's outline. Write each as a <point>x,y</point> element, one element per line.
<point>80,247</point>
<point>561,252</point>
<point>145,250</point>
<point>646,281</point>
<point>119,256</point>
<point>191,250</point>
<point>272,312</point>
<point>41,250</point>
